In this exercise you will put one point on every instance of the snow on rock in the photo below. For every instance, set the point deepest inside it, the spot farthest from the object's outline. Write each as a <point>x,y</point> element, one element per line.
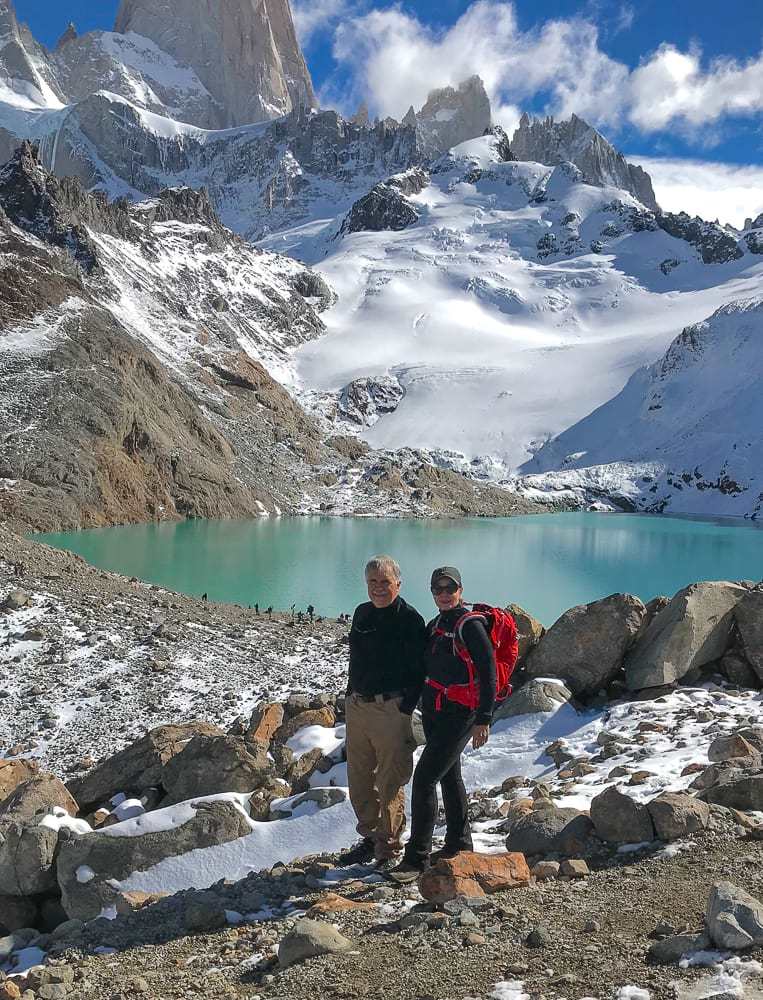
<point>682,436</point>
<point>523,298</point>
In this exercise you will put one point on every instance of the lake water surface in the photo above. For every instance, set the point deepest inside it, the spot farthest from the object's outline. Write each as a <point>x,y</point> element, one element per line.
<point>545,562</point>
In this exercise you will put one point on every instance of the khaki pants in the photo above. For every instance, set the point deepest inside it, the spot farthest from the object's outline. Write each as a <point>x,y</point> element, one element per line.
<point>380,745</point>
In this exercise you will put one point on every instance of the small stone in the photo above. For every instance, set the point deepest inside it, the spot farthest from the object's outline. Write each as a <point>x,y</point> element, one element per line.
<point>574,868</point>
<point>310,938</point>
<point>545,870</point>
<point>537,938</point>
<point>592,926</point>
<point>472,938</point>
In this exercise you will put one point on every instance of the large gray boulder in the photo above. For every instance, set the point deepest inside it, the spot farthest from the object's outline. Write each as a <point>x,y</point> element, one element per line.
<point>27,859</point>
<point>16,912</point>
<point>137,767</point>
<point>308,939</point>
<point>749,618</point>
<point>535,696</point>
<point>550,831</point>
<point>734,918</point>
<point>692,631</point>
<point>619,819</point>
<point>586,646</point>
<point>677,814</point>
<point>87,864</point>
<point>737,789</point>
<point>212,764</point>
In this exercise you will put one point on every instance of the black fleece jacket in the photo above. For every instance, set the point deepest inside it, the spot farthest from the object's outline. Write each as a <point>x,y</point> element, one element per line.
<point>445,667</point>
<point>387,648</point>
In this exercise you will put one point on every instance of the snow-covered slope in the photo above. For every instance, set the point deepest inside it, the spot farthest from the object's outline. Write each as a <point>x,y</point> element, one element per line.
<point>684,435</point>
<point>520,300</point>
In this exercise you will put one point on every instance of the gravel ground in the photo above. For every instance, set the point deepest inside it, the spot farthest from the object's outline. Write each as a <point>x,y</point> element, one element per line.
<point>596,935</point>
<point>96,659</point>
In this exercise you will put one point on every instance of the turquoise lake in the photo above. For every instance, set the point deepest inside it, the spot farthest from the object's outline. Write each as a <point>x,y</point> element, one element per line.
<point>547,562</point>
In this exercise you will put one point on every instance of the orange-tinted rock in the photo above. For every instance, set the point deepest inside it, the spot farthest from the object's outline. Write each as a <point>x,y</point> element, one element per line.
<point>313,717</point>
<point>13,773</point>
<point>472,874</point>
<point>265,722</point>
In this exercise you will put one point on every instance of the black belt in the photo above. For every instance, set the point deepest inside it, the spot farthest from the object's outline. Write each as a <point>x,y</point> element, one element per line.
<point>382,696</point>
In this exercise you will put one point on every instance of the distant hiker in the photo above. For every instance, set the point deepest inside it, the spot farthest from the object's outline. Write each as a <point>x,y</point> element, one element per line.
<point>204,597</point>
<point>292,611</point>
<point>311,612</point>
<point>18,569</point>
<point>256,609</point>
<point>270,611</point>
<point>387,642</point>
<point>469,659</point>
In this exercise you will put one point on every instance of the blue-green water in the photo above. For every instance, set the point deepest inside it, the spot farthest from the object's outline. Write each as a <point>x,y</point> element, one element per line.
<point>547,563</point>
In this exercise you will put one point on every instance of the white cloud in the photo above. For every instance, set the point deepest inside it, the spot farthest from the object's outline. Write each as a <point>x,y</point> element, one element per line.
<point>393,60</point>
<point>672,87</point>
<point>724,191</point>
<point>314,16</point>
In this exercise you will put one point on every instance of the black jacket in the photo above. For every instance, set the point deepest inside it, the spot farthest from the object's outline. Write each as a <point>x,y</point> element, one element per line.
<point>387,651</point>
<point>446,667</point>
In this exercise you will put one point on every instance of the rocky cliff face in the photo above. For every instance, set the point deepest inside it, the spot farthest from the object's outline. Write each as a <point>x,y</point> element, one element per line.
<point>245,52</point>
<point>136,345</point>
<point>575,141</point>
<point>453,115</point>
<point>24,67</point>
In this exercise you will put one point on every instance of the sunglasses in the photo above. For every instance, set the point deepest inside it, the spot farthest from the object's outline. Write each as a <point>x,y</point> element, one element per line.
<point>445,588</point>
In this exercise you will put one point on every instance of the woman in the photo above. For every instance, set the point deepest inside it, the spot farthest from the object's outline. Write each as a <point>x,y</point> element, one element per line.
<point>449,723</point>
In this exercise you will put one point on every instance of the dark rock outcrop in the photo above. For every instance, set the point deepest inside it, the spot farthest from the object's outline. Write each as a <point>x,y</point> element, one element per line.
<point>383,208</point>
<point>714,244</point>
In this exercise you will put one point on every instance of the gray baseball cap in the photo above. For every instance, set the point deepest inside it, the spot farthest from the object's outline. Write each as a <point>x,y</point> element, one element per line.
<point>450,572</point>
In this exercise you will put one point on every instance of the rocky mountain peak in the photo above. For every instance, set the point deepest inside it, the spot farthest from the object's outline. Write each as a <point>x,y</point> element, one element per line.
<point>544,140</point>
<point>451,115</point>
<point>70,35</point>
<point>24,67</point>
<point>55,209</point>
<point>245,52</point>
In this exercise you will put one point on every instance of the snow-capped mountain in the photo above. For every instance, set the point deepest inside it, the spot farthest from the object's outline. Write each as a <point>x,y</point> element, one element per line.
<point>516,299</point>
<point>684,435</point>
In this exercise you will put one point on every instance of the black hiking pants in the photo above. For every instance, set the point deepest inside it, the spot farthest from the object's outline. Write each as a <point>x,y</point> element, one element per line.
<point>447,732</point>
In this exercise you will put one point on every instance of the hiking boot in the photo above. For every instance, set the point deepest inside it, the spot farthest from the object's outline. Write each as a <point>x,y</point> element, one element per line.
<point>360,854</point>
<point>444,853</point>
<point>386,865</point>
<point>405,872</point>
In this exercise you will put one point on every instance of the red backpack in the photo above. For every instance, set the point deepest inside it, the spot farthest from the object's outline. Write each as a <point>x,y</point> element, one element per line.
<point>502,630</point>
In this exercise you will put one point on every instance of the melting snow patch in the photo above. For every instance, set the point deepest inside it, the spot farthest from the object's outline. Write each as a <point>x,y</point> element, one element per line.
<point>59,819</point>
<point>511,989</point>
<point>633,993</point>
<point>85,874</point>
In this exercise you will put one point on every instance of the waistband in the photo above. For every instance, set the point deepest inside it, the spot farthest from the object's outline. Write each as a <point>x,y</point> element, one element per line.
<point>384,696</point>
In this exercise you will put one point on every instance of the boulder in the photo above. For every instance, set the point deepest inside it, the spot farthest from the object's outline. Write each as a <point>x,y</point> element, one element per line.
<point>692,631</point>
<point>39,795</point>
<point>330,902</point>
<point>27,859</point>
<point>13,773</point>
<point>117,852</point>
<point>727,747</point>
<point>16,912</point>
<point>138,766</point>
<point>574,868</point>
<point>550,831</point>
<point>308,939</point>
<point>265,721</point>
<point>737,670</point>
<point>619,819</point>
<point>303,768</point>
<point>211,764</point>
<point>586,646</point>
<point>670,950</point>
<point>736,789</point>
<point>543,871</point>
<point>537,695</point>
<point>734,918</point>
<point>204,911</point>
<point>15,600</point>
<point>260,800</point>
<point>749,619</point>
<point>529,630</point>
<point>313,717</point>
<point>471,874</point>
<point>677,814</point>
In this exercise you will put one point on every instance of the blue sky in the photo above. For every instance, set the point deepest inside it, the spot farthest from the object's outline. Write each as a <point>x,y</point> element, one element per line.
<point>666,82</point>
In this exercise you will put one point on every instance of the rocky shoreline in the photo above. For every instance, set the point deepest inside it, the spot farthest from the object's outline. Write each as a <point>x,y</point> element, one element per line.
<point>173,797</point>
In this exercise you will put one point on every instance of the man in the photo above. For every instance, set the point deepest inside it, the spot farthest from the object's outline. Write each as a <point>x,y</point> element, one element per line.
<point>387,642</point>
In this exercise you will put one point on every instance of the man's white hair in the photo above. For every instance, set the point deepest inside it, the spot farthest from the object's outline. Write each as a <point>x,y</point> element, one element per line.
<point>383,564</point>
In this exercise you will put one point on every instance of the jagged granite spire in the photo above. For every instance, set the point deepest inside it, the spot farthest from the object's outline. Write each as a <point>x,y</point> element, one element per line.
<point>546,141</point>
<point>69,35</point>
<point>245,52</point>
<point>24,67</point>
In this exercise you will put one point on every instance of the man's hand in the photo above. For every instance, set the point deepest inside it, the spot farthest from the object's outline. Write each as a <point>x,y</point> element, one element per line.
<point>480,736</point>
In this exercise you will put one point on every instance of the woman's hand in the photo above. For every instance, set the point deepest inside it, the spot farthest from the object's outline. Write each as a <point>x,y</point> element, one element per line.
<point>480,736</point>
